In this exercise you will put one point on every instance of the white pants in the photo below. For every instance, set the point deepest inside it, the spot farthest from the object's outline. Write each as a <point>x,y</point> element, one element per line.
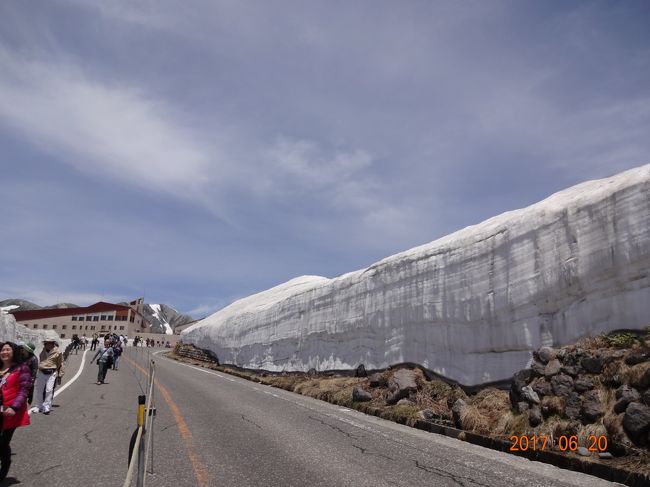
<point>44,384</point>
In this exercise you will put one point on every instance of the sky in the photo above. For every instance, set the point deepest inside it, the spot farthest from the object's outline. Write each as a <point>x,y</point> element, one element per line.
<point>198,152</point>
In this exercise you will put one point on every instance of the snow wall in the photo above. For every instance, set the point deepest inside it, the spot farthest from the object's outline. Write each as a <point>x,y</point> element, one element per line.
<point>13,332</point>
<point>471,306</point>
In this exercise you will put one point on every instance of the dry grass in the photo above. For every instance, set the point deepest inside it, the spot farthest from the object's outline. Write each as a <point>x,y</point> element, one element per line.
<point>592,343</point>
<point>552,406</point>
<point>635,373</point>
<point>471,419</point>
<point>510,424</point>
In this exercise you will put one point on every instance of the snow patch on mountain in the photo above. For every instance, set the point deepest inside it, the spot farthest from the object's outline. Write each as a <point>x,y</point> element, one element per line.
<point>470,306</point>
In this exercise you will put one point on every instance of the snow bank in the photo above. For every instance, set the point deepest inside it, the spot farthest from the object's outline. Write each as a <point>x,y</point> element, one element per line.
<point>470,306</point>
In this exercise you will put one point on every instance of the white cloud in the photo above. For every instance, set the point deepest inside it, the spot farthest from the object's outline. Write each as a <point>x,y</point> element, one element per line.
<point>103,128</point>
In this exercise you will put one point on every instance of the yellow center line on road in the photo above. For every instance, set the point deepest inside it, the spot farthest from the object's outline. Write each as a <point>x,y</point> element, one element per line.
<point>200,470</point>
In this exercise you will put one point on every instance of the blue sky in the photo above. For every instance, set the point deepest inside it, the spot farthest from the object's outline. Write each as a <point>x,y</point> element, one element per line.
<point>198,152</point>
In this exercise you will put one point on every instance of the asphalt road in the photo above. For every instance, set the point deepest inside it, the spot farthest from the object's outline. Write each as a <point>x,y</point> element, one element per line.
<point>212,429</point>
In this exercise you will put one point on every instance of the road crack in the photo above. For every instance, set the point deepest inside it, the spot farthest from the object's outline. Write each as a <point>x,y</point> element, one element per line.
<point>87,437</point>
<point>248,420</point>
<point>48,469</point>
<point>336,428</point>
<point>459,479</point>
<point>366,451</point>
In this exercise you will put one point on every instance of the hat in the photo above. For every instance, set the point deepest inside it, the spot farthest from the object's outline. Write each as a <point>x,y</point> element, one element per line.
<point>29,346</point>
<point>50,340</point>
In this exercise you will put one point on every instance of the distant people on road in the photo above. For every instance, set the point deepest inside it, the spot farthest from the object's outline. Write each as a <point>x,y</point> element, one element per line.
<point>105,360</point>
<point>76,343</point>
<point>15,380</point>
<point>94,342</point>
<point>117,352</point>
<point>50,367</point>
<point>31,361</point>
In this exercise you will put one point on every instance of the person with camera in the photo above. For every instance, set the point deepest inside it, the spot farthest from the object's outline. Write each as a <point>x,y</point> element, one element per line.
<point>50,367</point>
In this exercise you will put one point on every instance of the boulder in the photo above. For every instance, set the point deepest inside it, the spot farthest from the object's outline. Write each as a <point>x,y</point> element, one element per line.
<point>537,367</point>
<point>593,364</point>
<point>628,392</point>
<point>457,411</point>
<point>636,422</point>
<point>592,408</point>
<point>427,415</point>
<point>405,402</point>
<point>360,395</point>
<point>552,368</point>
<point>562,385</point>
<point>360,371</point>
<point>529,395</point>
<point>583,452</point>
<point>377,380</point>
<point>312,373</point>
<point>583,384</point>
<point>646,398</point>
<point>546,354</point>
<point>573,406</point>
<point>637,357</point>
<point>402,384</point>
<point>523,406</point>
<point>572,370</point>
<point>535,416</point>
<point>541,386</point>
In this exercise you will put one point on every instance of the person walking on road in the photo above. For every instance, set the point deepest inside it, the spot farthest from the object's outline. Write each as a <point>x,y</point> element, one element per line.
<point>117,353</point>
<point>94,342</point>
<point>105,354</point>
<point>31,361</point>
<point>49,368</point>
<point>15,380</point>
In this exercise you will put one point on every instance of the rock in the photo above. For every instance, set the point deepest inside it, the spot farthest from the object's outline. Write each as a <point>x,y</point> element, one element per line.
<point>402,383</point>
<point>561,354</point>
<point>583,384</point>
<point>573,406</point>
<point>360,371</point>
<point>571,370</point>
<point>312,372</point>
<point>612,375</point>
<point>605,455</point>
<point>593,364</point>
<point>644,381</point>
<point>592,408</point>
<point>360,395</point>
<point>457,411</point>
<point>427,415</point>
<point>535,416</point>
<point>405,402</point>
<point>552,368</point>
<point>646,397</point>
<point>637,422</point>
<point>583,452</point>
<point>537,367</point>
<point>637,357</point>
<point>541,386</point>
<point>377,380</point>
<point>628,392</point>
<point>523,406</point>
<point>546,354</point>
<point>529,395</point>
<point>521,379</point>
<point>562,385</point>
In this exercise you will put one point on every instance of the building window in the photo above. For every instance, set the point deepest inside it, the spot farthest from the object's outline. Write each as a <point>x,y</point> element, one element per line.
<point>88,318</point>
<point>74,318</point>
<point>86,327</point>
<point>95,318</point>
<point>65,327</point>
<point>110,318</point>
<point>35,325</point>
<point>45,327</point>
<point>132,318</point>
<point>54,327</point>
<point>103,317</point>
<point>62,335</point>
<point>121,328</point>
<point>74,327</point>
<point>92,327</point>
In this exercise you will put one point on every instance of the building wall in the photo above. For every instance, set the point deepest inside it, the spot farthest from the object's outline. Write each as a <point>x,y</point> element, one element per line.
<point>104,322</point>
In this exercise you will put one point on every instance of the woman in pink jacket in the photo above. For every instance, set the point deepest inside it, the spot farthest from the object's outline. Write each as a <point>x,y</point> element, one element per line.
<point>15,380</point>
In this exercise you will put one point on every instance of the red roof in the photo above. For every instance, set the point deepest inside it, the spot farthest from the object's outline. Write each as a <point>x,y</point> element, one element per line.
<point>40,314</point>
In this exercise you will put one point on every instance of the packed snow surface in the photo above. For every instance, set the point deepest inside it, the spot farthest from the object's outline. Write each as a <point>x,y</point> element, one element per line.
<point>470,306</point>
<point>158,315</point>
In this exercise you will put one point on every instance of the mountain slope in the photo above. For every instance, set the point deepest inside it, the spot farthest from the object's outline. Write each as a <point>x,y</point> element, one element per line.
<point>164,318</point>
